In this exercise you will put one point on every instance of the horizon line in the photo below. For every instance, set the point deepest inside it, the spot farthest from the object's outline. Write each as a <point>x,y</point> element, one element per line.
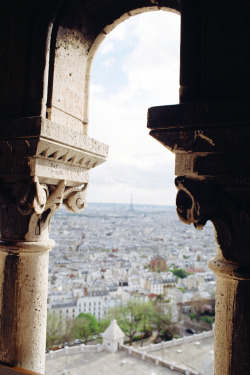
<point>137,204</point>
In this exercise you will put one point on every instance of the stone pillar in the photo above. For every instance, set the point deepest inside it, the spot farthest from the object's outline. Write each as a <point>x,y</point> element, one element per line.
<point>38,172</point>
<point>211,143</point>
<point>23,306</point>
<point>232,325</point>
<point>196,203</point>
<point>25,213</point>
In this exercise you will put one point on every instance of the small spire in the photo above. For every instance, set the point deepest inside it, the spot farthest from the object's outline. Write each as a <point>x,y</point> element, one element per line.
<point>131,207</point>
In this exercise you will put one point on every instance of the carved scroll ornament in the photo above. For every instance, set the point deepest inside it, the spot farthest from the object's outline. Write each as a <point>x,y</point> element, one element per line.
<point>199,201</point>
<point>74,198</point>
<point>27,208</point>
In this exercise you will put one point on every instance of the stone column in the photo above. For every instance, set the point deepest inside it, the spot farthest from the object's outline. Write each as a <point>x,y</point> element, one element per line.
<point>210,141</point>
<point>38,172</point>
<point>23,306</point>
<point>198,202</point>
<point>25,213</point>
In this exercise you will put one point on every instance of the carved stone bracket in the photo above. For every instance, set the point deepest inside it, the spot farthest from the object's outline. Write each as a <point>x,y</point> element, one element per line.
<point>210,140</point>
<point>39,220</point>
<point>26,209</point>
<point>42,166</point>
<point>194,201</point>
<point>200,201</point>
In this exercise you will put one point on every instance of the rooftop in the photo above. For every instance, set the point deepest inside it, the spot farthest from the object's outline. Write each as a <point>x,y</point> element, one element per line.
<point>194,353</point>
<point>104,363</point>
<point>197,355</point>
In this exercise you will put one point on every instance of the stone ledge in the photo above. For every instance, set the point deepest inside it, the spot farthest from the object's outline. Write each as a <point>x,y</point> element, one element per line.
<point>199,114</point>
<point>38,147</point>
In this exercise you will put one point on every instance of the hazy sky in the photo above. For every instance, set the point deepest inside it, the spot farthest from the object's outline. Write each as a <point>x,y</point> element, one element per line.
<point>135,67</point>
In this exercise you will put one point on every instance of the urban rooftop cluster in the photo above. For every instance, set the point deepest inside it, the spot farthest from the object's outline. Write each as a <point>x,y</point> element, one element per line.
<point>110,254</point>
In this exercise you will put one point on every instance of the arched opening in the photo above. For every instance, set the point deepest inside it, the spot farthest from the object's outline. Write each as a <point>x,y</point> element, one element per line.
<point>135,67</point>
<point>211,120</point>
<point>116,109</point>
<point>77,33</point>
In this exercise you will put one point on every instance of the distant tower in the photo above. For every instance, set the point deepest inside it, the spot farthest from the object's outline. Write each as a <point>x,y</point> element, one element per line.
<point>131,207</point>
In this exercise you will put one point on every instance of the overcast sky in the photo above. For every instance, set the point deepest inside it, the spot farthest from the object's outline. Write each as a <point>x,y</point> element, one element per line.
<point>135,67</point>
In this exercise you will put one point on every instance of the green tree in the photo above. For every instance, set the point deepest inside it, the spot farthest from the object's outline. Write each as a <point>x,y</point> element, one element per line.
<point>68,335</point>
<point>160,321</point>
<point>128,318</point>
<point>207,319</point>
<point>84,326</point>
<point>170,332</point>
<point>196,306</point>
<point>55,330</point>
<point>103,324</point>
<point>182,289</point>
<point>145,314</point>
<point>159,298</point>
<point>179,272</point>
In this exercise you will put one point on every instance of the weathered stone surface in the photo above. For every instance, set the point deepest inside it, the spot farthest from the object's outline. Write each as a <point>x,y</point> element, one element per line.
<point>210,141</point>
<point>48,151</point>
<point>23,306</point>
<point>199,115</point>
<point>68,92</point>
<point>47,48</point>
<point>42,166</point>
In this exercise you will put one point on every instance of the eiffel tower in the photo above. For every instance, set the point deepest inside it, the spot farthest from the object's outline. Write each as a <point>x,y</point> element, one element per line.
<point>131,207</point>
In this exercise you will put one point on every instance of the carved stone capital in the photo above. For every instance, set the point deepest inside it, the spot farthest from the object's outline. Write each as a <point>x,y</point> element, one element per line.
<point>200,201</point>
<point>194,201</point>
<point>210,141</point>
<point>42,165</point>
<point>27,208</point>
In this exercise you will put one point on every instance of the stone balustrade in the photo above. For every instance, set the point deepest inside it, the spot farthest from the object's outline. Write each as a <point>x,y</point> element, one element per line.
<point>156,360</point>
<point>141,353</point>
<point>82,348</point>
<point>174,342</point>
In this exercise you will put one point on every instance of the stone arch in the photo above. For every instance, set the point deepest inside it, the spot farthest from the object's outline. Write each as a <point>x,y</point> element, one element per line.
<point>213,182</point>
<point>78,31</point>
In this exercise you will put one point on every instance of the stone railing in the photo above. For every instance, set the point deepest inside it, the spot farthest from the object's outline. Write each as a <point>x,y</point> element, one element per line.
<point>142,353</point>
<point>156,360</point>
<point>53,354</point>
<point>180,341</point>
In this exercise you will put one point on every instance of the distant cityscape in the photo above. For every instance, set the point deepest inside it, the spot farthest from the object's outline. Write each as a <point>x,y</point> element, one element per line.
<point>111,253</point>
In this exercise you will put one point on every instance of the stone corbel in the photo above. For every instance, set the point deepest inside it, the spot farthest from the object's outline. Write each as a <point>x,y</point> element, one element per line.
<point>45,202</point>
<point>210,140</point>
<point>198,202</point>
<point>212,164</point>
<point>41,167</point>
<point>194,201</point>
<point>27,208</point>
